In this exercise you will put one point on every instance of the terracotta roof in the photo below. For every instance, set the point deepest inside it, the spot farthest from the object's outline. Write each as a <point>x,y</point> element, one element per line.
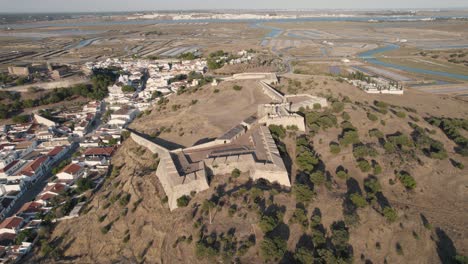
<point>32,167</point>
<point>31,207</point>
<point>72,168</point>
<point>55,151</point>
<point>107,151</point>
<point>7,238</point>
<point>46,196</point>
<point>11,164</point>
<point>55,188</point>
<point>11,222</point>
<point>3,146</point>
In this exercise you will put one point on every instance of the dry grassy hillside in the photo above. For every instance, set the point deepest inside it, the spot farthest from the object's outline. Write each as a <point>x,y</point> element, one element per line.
<point>404,204</point>
<point>204,114</point>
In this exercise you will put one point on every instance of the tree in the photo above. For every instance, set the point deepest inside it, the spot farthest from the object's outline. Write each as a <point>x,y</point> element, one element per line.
<point>303,193</point>
<point>84,184</point>
<point>407,180</point>
<point>304,255</point>
<point>300,216</point>
<point>268,223</point>
<point>306,161</point>
<point>235,173</point>
<point>335,148</point>
<point>128,89</point>
<point>21,118</point>
<point>317,178</point>
<point>372,185</point>
<point>372,117</point>
<point>337,107</point>
<point>237,87</point>
<point>208,206</point>
<point>358,200</point>
<point>183,201</point>
<point>273,248</point>
<point>390,214</point>
<point>349,137</point>
<point>278,132</point>
<point>364,165</point>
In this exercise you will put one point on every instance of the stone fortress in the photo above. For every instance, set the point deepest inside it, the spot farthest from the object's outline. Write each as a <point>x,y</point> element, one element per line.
<point>248,146</point>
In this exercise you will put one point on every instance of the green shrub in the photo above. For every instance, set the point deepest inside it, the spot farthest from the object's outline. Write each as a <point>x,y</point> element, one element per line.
<point>105,229</point>
<point>268,223</point>
<point>337,107</point>
<point>273,248</point>
<point>235,173</point>
<point>372,185</point>
<point>123,201</point>
<point>345,116</point>
<point>342,174</point>
<point>349,137</point>
<point>401,114</point>
<point>390,214</point>
<point>377,169</point>
<point>399,249</point>
<point>303,193</point>
<point>306,161</point>
<point>376,133</point>
<point>358,200</point>
<point>381,104</point>
<point>407,180</point>
<point>277,132</point>
<point>317,178</point>
<point>300,217</point>
<point>183,201</point>
<point>317,106</point>
<point>304,255</point>
<point>237,88</point>
<point>364,165</point>
<point>335,148</point>
<point>372,117</point>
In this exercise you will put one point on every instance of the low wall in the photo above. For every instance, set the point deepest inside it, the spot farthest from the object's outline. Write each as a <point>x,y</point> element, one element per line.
<point>285,121</point>
<point>271,92</point>
<point>153,147</point>
<point>43,121</point>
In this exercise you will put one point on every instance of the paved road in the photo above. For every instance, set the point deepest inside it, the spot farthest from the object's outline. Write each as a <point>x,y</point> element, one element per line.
<point>31,193</point>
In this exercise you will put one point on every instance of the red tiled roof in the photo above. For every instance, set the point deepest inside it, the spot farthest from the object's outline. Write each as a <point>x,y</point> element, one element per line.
<point>11,222</point>
<point>55,187</point>
<point>46,196</point>
<point>31,207</point>
<point>72,168</point>
<point>11,164</point>
<point>107,151</point>
<point>55,151</point>
<point>32,167</point>
<point>7,236</point>
<point>3,146</point>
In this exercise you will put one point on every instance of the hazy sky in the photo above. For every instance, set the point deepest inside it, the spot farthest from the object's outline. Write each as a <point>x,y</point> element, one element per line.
<point>131,5</point>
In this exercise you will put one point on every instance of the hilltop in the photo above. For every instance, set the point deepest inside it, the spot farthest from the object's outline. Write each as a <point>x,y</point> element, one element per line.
<point>375,178</point>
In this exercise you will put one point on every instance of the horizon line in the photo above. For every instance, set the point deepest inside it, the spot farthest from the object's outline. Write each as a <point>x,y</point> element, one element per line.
<point>455,8</point>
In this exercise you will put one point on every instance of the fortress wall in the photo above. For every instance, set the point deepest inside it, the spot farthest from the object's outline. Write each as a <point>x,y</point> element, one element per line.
<point>44,121</point>
<point>205,145</point>
<point>270,174</point>
<point>272,93</point>
<point>265,76</point>
<point>224,165</point>
<point>153,147</point>
<point>198,185</point>
<point>307,103</point>
<point>285,121</point>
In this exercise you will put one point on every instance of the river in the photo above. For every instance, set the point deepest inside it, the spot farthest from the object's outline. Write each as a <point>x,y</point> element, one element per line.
<point>369,56</point>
